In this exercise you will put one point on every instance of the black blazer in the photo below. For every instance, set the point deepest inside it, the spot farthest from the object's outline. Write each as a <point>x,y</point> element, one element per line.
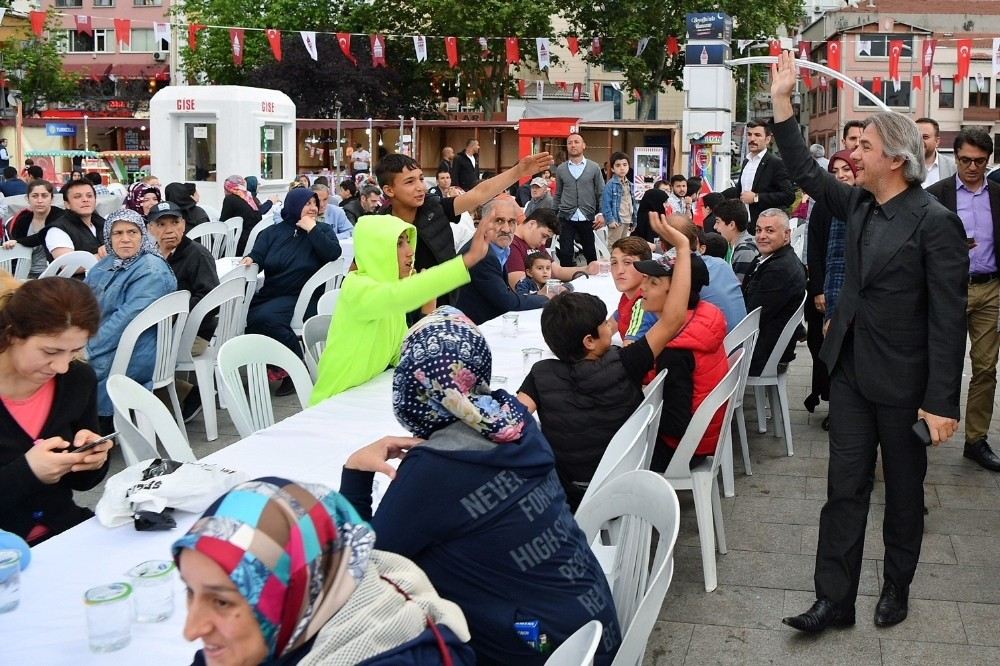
<point>817,239</point>
<point>770,183</point>
<point>776,285</point>
<point>946,191</point>
<point>907,312</point>
<point>464,173</point>
<point>489,295</point>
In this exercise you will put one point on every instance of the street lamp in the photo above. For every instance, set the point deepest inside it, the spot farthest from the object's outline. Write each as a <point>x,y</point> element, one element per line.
<point>339,151</point>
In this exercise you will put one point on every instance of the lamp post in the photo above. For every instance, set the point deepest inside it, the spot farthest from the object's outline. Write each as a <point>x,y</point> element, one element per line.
<point>339,151</point>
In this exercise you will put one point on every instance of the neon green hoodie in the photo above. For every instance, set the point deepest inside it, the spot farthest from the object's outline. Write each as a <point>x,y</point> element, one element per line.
<point>369,322</point>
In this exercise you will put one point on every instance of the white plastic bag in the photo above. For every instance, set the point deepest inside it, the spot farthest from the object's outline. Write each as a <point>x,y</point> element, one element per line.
<point>155,484</point>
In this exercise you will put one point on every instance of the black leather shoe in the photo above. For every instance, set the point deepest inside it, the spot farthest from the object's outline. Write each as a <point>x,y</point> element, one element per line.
<point>981,452</point>
<point>892,605</point>
<point>824,613</point>
<point>810,403</point>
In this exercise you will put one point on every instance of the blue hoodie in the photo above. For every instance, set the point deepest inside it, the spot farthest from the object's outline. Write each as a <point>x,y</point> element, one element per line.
<point>497,538</point>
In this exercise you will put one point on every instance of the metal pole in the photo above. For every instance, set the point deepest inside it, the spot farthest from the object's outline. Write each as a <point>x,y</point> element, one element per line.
<point>371,135</point>
<point>86,132</point>
<point>19,118</point>
<point>339,148</point>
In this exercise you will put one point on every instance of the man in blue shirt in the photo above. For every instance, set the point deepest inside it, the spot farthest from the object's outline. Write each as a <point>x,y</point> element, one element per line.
<point>12,186</point>
<point>333,215</point>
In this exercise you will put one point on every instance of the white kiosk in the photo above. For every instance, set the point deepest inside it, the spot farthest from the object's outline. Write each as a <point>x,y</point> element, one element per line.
<point>204,134</point>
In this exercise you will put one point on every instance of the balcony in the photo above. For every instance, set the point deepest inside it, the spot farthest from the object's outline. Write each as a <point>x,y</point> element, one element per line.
<point>980,114</point>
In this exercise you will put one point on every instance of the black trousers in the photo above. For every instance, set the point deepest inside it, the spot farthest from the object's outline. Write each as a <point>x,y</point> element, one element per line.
<point>570,230</point>
<point>820,386</point>
<point>858,428</point>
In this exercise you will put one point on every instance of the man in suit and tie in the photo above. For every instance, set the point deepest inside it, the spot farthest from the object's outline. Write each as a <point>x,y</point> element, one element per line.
<point>977,203</point>
<point>938,166</point>
<point>763,181</point>
<point>465,167</point>
<point>894,348</point>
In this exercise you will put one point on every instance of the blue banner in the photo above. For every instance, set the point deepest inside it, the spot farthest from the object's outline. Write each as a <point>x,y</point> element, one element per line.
<point>60,129</point>
<point>716,25</point>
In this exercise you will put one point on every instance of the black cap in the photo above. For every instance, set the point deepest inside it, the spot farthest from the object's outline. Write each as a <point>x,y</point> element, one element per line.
<point>664,267</point>
<point>164,209</point>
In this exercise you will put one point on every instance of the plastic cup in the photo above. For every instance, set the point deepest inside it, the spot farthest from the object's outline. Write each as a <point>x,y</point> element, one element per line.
<point>553,288</point>
<point>109,616</point>
<point>603,267</point>
<point>509,325</point>
<point>10,580</point>
<point>530,356</point>
<point>153,590</point>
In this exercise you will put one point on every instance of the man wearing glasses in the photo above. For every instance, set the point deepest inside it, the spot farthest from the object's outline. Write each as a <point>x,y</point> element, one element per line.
<point>977,201</point>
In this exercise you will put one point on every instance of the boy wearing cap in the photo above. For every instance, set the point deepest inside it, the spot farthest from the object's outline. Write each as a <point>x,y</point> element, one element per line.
<point>618,201</point>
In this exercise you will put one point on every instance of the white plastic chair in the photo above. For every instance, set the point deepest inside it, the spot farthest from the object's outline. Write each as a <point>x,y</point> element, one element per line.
<point>799,239</point>
<point>214,214</point>
<point>68,264</point>
<point>777,382</point>
<point>152,420</point>
<point>314,334</point>
<point>249,274</point>
<point>580,648</point>
<point>213,235</point>
<point>257,228</point>
<point>327,303</point>
<point>228,299</point>
<point>626,451</point>
<point>653,396</point>
<point>251,409</point>
<point>743,336</point>
<point>703,480</point>
<point>168,315</point>
<point>650,500</point>
<point>329,275</point>
<point>601,243</point>
<point>235,227</point>
<point>16,261</point>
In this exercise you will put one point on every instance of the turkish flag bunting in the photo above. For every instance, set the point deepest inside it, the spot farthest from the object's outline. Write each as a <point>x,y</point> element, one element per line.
<point>823,83</point>
<point>595,46</point>
<point>833,58</point>
<point>236,43</point>
<point>451,48</point>
<point>37,23</point>
<point>344,39</point>
<point>378,50</point>
<point>895,51</point>
<point>964,58</point>
<point>513,51</point>
<point>84,25</point>
<point>918,82</point>
<point>522,87</point>
<point>877,85</point>
<point>274,39</point>
<point>577,91</point>
<point>561,84</point>
<point>193,31</point>
<point>673,46</point>
<point>573,44</point>
<point>597,93</point>
<point>484,48</point>
<point>936,83</point>
<point>123,32</point>
<point>774,47</point>
<point>804,49</point>
<point>930,45</point>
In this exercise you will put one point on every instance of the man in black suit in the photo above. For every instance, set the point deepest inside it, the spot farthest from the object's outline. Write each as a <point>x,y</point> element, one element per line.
<point>776,282</point>
<point>465,168</point>
<point>894,348</point>
<point>763,181</point>
<point>977,202</point>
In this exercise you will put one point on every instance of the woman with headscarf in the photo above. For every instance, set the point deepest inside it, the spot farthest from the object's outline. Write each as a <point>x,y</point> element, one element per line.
<point>125,282</point>
<point>653,200</point>
<point>256,596</point>
<point>476,502</point>
<point>289,253</point>
<point>238,202</point>
<point>185,195</point>
<point>142,197</point>
<point>264,207</point>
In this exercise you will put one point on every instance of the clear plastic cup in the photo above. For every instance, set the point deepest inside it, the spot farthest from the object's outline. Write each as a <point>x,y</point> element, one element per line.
<point>509,325</point>
<point>553,288</point>
<point>530,356</point>
<point>604,267</point>
<point>10,580</point>
<point>109,616</point>
<point>153,590</point>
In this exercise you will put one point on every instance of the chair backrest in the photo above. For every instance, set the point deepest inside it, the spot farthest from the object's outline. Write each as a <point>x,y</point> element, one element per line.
<point>652,503</point>
<point>744,336</point>
<point>251,410</point>
<point>214,214</point>
<point>257,228</point>
<point>235,227</point>
<point>16,261</point>
<point>771,367</point>
<point>327,304</point>
<point>329,275</point>
<point>653,396</point>
<point>314,333</point>
<point>580,648</point>
<point>68,264</point>
<point>228,299</point>
<point>625,452</point>
<point>168,314</point>
<point>601,244</point>
<point>249,274</point>
<point>798,241</point>
<point>137,434</point>
<point>213,235</point>
<point>721,396</point>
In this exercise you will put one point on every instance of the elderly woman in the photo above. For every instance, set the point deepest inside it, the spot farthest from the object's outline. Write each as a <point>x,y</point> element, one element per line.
<point>238,202</point>
<point>289,253</point>
<point>256,596</point>
<point>142,197</point>
<point>497,537</point>
<point>185,195</point>
<point>126,281</point>
<point>39,214</point>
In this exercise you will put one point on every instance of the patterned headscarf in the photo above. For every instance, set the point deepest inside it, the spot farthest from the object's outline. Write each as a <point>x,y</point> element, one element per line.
<point>295,551</point>
<point>443,376</point>
<point>146,246</point>
<point>238,185</point>
<point>135,194</point>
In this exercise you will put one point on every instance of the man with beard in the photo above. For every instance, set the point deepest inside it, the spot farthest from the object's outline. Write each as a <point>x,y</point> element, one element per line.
<point>763,182</point>
<point>465,167</point>
<point>938,166</point>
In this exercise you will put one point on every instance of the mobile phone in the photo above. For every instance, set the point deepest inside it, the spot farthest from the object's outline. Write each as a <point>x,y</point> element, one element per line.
<point>922,432</point>
<point>89,445</point>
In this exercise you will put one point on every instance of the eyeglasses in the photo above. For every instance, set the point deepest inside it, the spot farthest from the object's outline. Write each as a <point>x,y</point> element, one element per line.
<point>968,161</point>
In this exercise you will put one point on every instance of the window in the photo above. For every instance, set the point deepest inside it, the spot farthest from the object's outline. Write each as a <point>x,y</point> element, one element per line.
<point>69,3</point>
<point>877,46</point>
<point>609,94</point>
<point>199,158</point>
<point>147,3</point>
<point>271,154</point>
<point>979,97</point>
<point>834,95</point>
<point>102,41</point>
<point>143,41</point>
<point>996,147</point>
<point>946,98</point>
<point>104,3</point>
<point>889,96</point>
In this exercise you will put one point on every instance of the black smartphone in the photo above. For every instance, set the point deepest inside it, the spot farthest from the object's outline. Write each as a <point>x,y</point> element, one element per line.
<point>922,432</point>
<point>89,445</point>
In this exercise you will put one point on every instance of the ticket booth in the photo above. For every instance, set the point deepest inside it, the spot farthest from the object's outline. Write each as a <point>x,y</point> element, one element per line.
<point>204,134</point>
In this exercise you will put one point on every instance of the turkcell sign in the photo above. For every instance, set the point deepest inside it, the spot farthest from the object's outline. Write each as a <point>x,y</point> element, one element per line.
<point>60,129</point>
<point>715,25</point>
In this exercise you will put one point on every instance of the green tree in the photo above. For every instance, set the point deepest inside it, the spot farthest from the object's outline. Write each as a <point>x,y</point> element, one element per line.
<point>34,67</point>
<point>621,25</point>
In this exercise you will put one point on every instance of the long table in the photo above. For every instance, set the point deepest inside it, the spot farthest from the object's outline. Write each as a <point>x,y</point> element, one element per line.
<point>49,626</point>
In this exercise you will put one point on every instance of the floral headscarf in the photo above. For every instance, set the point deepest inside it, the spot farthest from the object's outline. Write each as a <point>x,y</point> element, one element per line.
<point>296,552</point>
<point>443,376</point>
<point>135,194</point>
<point>147,246</point>
<point>238,185</point>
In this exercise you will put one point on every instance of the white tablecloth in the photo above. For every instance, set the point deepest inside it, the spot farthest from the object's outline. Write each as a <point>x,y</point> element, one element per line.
<point>49,627</point>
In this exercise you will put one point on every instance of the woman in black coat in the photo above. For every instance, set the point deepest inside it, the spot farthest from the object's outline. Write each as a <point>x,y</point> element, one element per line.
<point>185,195</point>
<point>238,202</point>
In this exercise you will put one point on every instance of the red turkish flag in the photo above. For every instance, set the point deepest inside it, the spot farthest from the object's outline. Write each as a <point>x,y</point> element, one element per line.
<point>123,32</point>
<point>595,46</point>
<point>804,49</point>
<point>964,58</point>
<point>577,91</point>
<point>344,39</point>
<point>824,83</point>
<point>522,87</point>
<point>37,23</point>
<point>274,39</point>
<point>877,85</point>
<point>833,58</point>
<point>597,93</point>
<point>673,46</point>
<point>378,50</point>
<point>193,31</point>
<point>561,84</point>
<point>895,51</point>
<point>936,85</point>
<point>918,82</point>
<point>451,48</point>
<point>774,47</point>
<point>513,51</point>
<point>930,45</point>
<point>573,44</point>
<point>84,25</point>
<point>236,45</point>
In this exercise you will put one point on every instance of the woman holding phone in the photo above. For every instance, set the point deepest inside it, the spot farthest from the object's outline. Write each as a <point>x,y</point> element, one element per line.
<point>48,405</point>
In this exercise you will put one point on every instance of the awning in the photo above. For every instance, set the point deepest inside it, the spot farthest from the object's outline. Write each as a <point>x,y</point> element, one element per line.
<point>60,153</point>
<point>98,72</point>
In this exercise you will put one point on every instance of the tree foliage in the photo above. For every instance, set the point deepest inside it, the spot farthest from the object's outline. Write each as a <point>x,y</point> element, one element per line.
<point>35,68</point>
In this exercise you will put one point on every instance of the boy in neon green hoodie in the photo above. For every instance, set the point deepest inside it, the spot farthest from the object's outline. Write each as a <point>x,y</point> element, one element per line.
<point>370,320</point>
